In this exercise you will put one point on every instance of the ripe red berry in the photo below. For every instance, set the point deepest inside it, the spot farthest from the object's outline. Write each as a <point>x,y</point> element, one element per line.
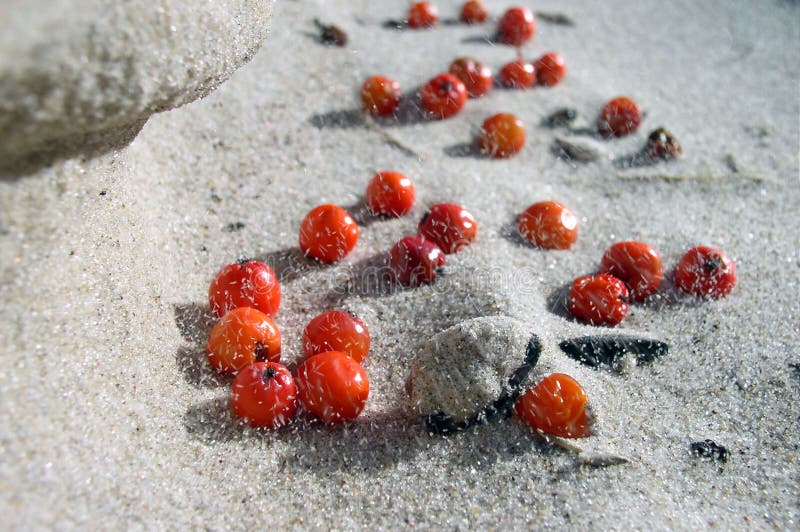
<point>422,15</point>
<point>390,194</point>
<point>600,299</point>
<point>449,226</point>
<point>517,75</point>
<point>243,336</point>
<point>380,95</point>
<point>549,225</point>
<point>637,264</point>
<point>502,135</point>
<point>706,271</point>
<point>328,233</point>
<point>443,96</point>
<point>413,261</point>
<point>337,330</point>
<point>332,386</point>
<point>246,283</point>
<point>474,12</point>
<point>264,395</point>
<point>550,69</point>
<point>557,406</point>
<point>516,27</point>
<point>619,117</point>
<point>476,76</point>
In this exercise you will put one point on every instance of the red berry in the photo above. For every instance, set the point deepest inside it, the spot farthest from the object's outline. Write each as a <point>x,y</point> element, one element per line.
<point>264,395</point>
<point>502,135</point>
<point>337,330</point>
<point>443,96</point>
<point>390,194</point>
<point>637,264</point>
<point>517,75</point>
<point>548,225</point>
<point>516,26</point>
<point>550,69</point>
<point>332,386</point>
<point>449,226</point>
<point>328,233</point>
<point>423,15</point>
<point>243,336</point>
<point>619,117</point>
<point>245,284</point>
<point>380,95</point>
<point>476,76</point>
<point>557,406</point>
<point>413,261</point>
<point>600,299</point>
<point>474,12</point>
<point>705,271</point>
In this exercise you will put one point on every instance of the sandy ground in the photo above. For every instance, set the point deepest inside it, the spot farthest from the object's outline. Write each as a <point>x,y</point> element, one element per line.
<point>110,416</point>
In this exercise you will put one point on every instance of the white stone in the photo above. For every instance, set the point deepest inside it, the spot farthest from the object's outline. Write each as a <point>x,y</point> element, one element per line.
<point>466,368</point>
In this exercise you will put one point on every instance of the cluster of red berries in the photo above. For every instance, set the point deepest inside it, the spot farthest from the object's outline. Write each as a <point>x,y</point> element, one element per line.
<point>629,271</point>
<point>330,383</point>
<point>328,233</point>
<point>445,95</point>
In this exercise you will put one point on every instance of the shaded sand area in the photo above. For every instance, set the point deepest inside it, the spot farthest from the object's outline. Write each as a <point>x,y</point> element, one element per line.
<point>111,417</point>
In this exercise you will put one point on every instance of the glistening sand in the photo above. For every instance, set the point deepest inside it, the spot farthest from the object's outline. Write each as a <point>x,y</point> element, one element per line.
<point>110,416</point>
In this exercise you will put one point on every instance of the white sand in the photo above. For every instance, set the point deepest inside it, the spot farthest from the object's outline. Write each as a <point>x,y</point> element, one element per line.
<point>110,416</point>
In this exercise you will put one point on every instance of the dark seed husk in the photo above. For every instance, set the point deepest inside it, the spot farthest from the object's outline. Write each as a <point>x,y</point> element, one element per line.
<point>596,350</point>
<point>561,117</point>
<point>709,449</point>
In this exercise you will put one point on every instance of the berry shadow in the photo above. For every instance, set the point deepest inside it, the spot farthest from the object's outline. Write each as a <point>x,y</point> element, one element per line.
<point>509,232</point>
<point>558,302</point>
<point>408,112</point>
<point>196,370</point>
<point>195,322</point>
<point>362,214</point>
<point>481,39</point>
<point>370,277</point>
<point>290,264</point>
<point>464,149</point>
<point>373,442</point>
<point>635,160</point>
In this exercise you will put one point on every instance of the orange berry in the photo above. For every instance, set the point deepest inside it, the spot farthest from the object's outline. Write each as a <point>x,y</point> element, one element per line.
<point>502,135</point>
<point>476,76</point>
<point>705,271</point>
<point>332,386</point>
<point>243,336</point>
<point>619,117</point>
<point>557,406</point>
<point>380,95</point>
<point>637,264</point>
<point>600,299</point>
<point>549,225</point>
<point>328,233</point>
<point>247,283</point>
<point>390,194</point>
<point>422,15</point>
<point>337,330</point>
<point>474,12</point>
<point>443,96</point>
<point>516,26</point>
<point>550,69</point>
<point>449,226</point>
<point>264,395</point>
<point>517,74</point>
